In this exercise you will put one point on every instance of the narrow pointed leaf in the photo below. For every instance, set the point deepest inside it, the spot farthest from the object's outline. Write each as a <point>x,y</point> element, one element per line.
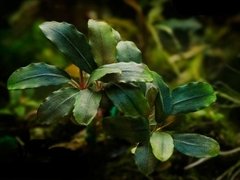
<point>131,129</point>
<point>192,97</point>
<point>129,100</point>
<point>71,42</point>
<point>196,145</point>
<point>103,40</point>
<point>127,51</point>
<point>122,72</point>
<point>144,159</point>
<point>86,106</point>
<point>56,106</point>
<point>37,75</point>
<point>163,103</point>
<point>162,145</point>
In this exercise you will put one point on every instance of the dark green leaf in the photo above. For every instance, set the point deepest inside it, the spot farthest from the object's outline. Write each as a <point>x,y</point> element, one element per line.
<point>162,145</point>
<point>128,128</point>
<point>71,42</point>
<point>86,106</point>
<point>57,105</point>
<point>103,40</point>
<point>129,100</point>
<point>123,72</point>
<point>36,75</point>
<point>196,145</point>
<point>127,51</point>
<point>192,97</point>
<point>163,103</point>
<point>144,159</point>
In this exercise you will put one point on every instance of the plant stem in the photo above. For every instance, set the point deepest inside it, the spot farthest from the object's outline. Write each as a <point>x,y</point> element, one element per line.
<point>222,153</point>
<point>81,83</point>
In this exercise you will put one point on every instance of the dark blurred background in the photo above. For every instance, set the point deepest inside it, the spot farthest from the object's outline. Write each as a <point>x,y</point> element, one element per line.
<point>180,45</point>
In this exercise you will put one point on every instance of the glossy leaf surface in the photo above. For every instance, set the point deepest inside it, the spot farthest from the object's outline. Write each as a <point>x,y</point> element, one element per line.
<point>196,145</point>
<point>56,106</point>
<point>70,42</point>
<point>192,97</point>
<point>86,106</point>
<point>37,75</point>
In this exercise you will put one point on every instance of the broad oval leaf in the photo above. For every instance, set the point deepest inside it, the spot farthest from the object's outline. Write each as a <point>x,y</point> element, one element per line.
<point>163,103</point>
<point>123,72</point>
<point>162,145</point>
<point>192,97</point>
<point>37,75</point>
<point>86,106</point>
<point>196,145</point>
<point>71,42</point>
<point>57,105</point>
<point>103,40</point>
<point>131,129</point>
<point>144,158</point>
<point>129,100</point>
<point>127,51</point>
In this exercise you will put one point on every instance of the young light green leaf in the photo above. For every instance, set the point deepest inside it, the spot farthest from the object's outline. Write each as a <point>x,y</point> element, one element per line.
<point>162,145</point>
<point>57,105</point>
<point>127,51</point>
<point>163,103</point>
<point>129,100</point>
<point>131,129</point>
<point>103,40</point>
<point>71,42</point>
<point>86,106</point>
<point>144,158</point>
<point>122,72</point>
<point>196,145</point>
<point>37,75</point>
<point>192,97</point>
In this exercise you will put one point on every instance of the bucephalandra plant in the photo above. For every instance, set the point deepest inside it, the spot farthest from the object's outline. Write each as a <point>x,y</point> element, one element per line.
<point>111,70</point>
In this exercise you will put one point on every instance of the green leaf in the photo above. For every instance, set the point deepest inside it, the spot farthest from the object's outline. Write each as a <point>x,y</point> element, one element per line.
<point>37,75</point>
<point>162,145</point>
<point>151,93</point>
<point>144,159</point>
<point>192,97</point>
<point>127,51</point>
<point>163,103</point>
<point>71,42</point>
<point>103,40</point>
<point>102,72</point>
<point>131,129</point>
<point>123,72</point>
<point>86,106</point>
<point>196,145</point>
<point>57,105</point>
<point>129,100</point>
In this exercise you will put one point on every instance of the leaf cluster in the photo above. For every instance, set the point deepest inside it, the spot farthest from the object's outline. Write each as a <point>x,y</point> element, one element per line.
<point>112,72</point>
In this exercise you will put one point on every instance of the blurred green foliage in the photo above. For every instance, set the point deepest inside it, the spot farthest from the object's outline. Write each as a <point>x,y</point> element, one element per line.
<point>181,49</point>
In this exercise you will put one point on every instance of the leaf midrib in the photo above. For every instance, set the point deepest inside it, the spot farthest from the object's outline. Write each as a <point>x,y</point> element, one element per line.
<point>132,102</point>
<point>65,100</point>
<point>39,75</point>
<point>192,98</point>
<point>70,42</point>
<point>188,143</point>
